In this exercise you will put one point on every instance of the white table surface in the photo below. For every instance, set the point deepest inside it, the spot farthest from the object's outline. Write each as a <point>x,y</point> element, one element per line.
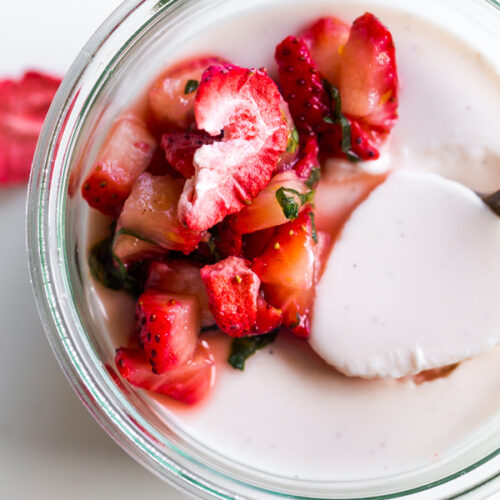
<point>50,446</point>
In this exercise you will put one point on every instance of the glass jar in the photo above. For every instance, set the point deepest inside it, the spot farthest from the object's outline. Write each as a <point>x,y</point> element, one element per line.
<point>126,49</point>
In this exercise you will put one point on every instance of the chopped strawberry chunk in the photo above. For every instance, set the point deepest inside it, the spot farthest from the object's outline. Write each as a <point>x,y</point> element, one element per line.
<point>288,260</point>
<point>268,317</point>
<point>308,157</point>
<point>227,241</point>
<point>150,212</point>
<point>129,249</point>
<point>233,290</point>
<point>245,105</point>
<point>368,81</point>
<point>302,85</point>
<point>255,243</point>
<point>181,276</point>
<point>180,148</point>
<point>125,156</point>
<point>168,327</point>
<point>188,383</point>
<point>326,38</point>
<point>265,210</point>
<point>171,98</point>
<point>23,106</point>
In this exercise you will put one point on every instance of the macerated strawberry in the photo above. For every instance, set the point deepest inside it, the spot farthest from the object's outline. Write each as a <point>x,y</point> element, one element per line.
<point>326,38</point>
<point>288,260</point>
<point>150,212</point>
<point>296,305</point>
<point>302,85</point>
<point>288,157</point>
<point>172,96</point>
<point>227,241</point>
<point>180,148</point>
<point>338,195</point>
<point>265,210</point>
<point>255,243</point>
<point>268,317</point>
<point>168,326</point>
<point>308,157</point>
<point>233,290</point>
<point>126,154</point>
<point>188,383</point>
<point>245,105</point>
<point>368,80</point>
<point>181,276</point>
<point>23,106</point>
<point>129,249</point>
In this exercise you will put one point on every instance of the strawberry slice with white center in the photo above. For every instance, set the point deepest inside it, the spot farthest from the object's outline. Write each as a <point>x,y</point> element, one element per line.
<point>326,38</point>
<point>126,154</point>
<point>368,80</point>
<point>188,383</point>
<point>243,104</point>
<point>168,326</point>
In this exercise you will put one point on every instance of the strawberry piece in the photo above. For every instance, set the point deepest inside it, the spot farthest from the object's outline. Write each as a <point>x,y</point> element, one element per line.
<point>265,211</point>
<point>326,38</point>
<point>23,106</point>
<point>129,249</point>
<point>255,243</point>
<point>168,327</point>
<point>297,304</point>
<point>302,85</point>
<point>232,289</point>
<point>180,148</point>
<point>338,195</point>
<point>188,383</point>
<point>268,317</point>
<point>126,154</point>
<point>368,80</point>
<point>150,212</point>
<point>288,157</point>
<point>288,260</point>
<point>181,276</point>
<point>227,241</point>
<point>308,157</point>
<point>245,105</point>
<point>171,106</point>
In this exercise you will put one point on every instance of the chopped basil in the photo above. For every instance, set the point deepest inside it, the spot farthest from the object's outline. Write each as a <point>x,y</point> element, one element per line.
<point>293,141</point>
<point>313,224</point>
<point>313,178</point>
<point>289,204</point>
<point>493,201</point>
<point>191,86</point>
<point>243,347</point>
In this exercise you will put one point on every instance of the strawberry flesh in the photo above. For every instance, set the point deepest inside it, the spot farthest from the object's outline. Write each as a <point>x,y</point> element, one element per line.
<point>245,105</point>
<point>125,156</point>
<point>308,157</point>
<point>233,290</point>
<point>168,327</point>
<point>188,383</point>
<point>23,106</point>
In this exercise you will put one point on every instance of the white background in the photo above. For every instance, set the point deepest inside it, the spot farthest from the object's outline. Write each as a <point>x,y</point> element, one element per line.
<point>50,446</point>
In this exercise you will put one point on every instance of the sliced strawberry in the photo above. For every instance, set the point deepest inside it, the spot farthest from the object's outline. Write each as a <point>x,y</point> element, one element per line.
<point>168,326</point>
<point>268,317</point>
<point>129,249</point>
<point>297,304</point>
<point>302,85</point>
<point>288,260</point>
<point>326,38</point>
<point>232,289</point>
<point>126,154</point>
<point>180,148</point>
<point>227,241</point>
<point>265,210</point>
<point>245,105</point>
<point>23,106</point>
<point>150,212</point>
<point>368,81</point>
<point>255,243</point>
<point>181,276</point>
<point>338,195</point>
<point>308,157</point>
<point>171,99</point>
<point>188,383</point>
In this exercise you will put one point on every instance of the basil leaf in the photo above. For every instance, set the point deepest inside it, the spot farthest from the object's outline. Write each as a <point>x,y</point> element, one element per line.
<point>337,105</point>
<point>191,86</point>
<point>313,224</point>
<point>244,347</point>
<point>313,178</point>
<point>289,204</point>
<point>293,141</point>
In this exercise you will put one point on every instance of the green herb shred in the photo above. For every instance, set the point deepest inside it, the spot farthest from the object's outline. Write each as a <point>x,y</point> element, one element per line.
<point>191,86</point>
<point>291,204</point>
<point>244,347</point>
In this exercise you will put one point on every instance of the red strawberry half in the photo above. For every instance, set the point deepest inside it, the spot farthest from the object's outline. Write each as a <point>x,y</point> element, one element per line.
<point>368,81</point>
<point>125,156</point>
<point>243,104</point>
<point>168,327</point>
<point>188,383</point>
<point>180,148</point>
<point>233,290</point>
<point>23,106</point>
